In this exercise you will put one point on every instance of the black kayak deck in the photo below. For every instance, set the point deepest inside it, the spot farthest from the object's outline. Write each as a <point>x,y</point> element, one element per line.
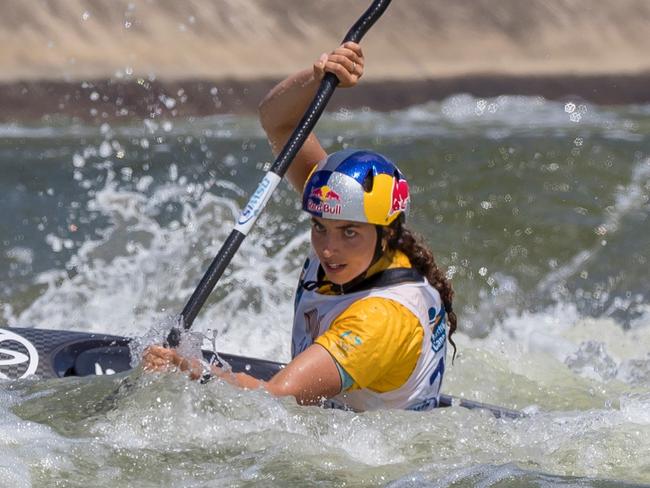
<point>46,354</point>
<point>57,354</point>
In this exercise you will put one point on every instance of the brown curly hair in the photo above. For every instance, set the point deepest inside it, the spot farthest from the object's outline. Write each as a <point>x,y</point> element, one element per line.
<point>411,244</point>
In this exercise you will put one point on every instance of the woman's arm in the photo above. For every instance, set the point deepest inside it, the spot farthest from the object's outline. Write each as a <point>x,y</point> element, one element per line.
<point>284,105</point>
<point>309,377</point>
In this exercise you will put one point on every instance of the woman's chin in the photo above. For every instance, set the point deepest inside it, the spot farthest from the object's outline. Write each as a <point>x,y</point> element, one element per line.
<point>337,280</point>
<point>338,276</point>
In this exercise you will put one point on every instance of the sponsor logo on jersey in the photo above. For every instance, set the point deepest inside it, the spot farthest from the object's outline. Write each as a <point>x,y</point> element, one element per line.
<point>427,404</point>
<point>437,326</point>
<point>348,340</point>
<point>438,337</point>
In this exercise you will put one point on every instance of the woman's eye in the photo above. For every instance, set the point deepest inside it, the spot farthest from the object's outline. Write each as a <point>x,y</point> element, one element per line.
<point>349,233</point>
<point>317,227</point>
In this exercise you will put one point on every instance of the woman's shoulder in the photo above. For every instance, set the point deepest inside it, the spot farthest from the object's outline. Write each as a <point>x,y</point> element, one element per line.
<point>379,311</point>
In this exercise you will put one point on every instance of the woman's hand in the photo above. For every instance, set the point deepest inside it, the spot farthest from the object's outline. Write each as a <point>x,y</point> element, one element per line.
<point>283,107</point>
<point>162,359</point>
<point>346,62</point>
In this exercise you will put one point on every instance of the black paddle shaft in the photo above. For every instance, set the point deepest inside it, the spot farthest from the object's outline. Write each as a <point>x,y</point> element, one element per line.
<point>274,175</point>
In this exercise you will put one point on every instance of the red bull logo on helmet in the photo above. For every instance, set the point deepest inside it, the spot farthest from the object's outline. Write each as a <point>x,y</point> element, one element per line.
<point>400,196</point>
<point>324,194</point>
<point>324,200</point>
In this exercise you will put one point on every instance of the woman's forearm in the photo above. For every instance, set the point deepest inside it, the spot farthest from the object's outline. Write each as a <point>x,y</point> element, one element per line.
<point>284,105</point>
<point>309,378</point>
<point>280,113</point>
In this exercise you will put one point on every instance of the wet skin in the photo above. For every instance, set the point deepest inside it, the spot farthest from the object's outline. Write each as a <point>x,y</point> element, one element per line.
<point>344,248</point>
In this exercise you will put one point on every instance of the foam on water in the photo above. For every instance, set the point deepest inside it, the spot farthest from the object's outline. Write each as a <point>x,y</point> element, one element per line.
<point>497,117</point>
<point>141,271</point>
<point>236,437</point>
<point>582,376</point>
<point>506,112</point>
<point>25,444</point>
<point>217,126</point>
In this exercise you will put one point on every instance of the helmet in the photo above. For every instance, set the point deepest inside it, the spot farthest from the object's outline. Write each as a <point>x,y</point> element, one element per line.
<point>356,185</point>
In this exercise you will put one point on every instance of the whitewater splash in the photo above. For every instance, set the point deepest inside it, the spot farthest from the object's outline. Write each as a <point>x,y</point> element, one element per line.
<point>515,197</point>
<point>161,232</point>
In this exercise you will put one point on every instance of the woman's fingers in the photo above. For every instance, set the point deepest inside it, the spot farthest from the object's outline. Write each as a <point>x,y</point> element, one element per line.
<point>157,358</point>
<point>162,359</point>
<point>346,62</point>
<point>347,55</point>
<point>353,46</point>
<point>345,75</point>
<point>351,49</point>
<point>352,52</point>
<point>319,67</point>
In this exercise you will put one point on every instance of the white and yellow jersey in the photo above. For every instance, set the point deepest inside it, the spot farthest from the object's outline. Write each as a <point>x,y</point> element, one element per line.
<point>390,339</point>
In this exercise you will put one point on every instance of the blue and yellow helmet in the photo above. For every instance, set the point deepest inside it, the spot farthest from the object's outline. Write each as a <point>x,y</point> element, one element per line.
<point>357,185</point>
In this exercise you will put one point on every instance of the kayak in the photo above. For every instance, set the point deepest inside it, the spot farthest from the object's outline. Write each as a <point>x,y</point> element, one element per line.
<point>59,353</point>
<point>45,354</point>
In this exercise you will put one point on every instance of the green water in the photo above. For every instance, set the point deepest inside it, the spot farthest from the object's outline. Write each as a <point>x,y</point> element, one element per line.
<point>537,210</point>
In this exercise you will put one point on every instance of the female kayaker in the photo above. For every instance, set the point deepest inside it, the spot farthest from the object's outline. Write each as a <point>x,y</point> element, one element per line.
<point>372,311</point>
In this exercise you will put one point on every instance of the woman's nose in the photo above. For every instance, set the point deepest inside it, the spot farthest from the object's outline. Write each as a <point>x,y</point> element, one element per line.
<point>329,247</point>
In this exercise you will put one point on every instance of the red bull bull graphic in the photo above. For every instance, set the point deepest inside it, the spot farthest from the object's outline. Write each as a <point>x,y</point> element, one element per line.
<point>324,200</point>
<point>332,195</point>
<point>400,196</point>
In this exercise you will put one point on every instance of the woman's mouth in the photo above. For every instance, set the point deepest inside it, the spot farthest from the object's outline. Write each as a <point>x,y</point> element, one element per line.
<point>333,268</point>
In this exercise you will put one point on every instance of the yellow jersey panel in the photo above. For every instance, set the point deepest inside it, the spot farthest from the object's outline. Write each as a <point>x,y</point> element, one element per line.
<point>377,341</point>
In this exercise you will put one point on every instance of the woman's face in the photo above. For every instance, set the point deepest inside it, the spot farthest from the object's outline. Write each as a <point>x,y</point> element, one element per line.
<point>344,248</point>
